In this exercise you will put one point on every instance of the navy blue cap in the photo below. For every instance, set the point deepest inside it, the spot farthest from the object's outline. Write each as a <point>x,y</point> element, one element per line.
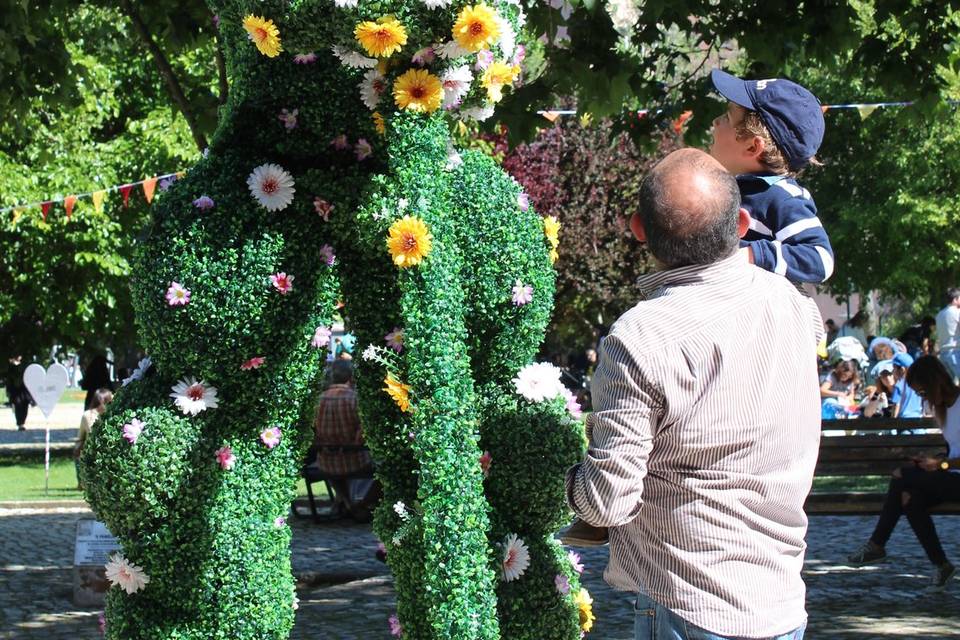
<point>790,112</point>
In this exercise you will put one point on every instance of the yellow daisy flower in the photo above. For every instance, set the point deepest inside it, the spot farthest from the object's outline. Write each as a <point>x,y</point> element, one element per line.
<point>379,123</point>
<point>410,241</point>
<point>551,229</point>
<point>496,76</point>
<point>398,391</point>
<point>585,602</point>
<point>418,90</point>
<point>476,27</point>
<point>554,256</point>
<point>383,38</point>
<point>264,34</point>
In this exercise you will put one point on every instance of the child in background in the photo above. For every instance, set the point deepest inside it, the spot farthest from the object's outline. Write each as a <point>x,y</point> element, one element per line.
<point>98,404</point>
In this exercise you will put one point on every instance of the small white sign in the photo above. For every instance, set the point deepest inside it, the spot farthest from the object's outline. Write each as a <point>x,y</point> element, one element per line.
<point>46,386</point>
<point>94,544</point>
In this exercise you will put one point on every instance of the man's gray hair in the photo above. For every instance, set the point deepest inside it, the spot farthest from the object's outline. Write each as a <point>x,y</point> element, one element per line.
<point>680,233</point>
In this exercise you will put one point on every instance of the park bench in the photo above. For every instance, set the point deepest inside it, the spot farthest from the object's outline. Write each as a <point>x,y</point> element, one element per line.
<point>874,450</point>
<point>326,510</point>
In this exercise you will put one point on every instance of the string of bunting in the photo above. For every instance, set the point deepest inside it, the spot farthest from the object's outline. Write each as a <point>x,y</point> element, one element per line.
<point>149,186</point>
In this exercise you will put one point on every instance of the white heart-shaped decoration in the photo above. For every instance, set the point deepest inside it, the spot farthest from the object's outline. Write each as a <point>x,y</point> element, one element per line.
<point>46,387</point>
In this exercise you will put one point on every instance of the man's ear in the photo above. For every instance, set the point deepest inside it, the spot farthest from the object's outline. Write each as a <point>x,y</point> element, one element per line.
<point>743,224</point>
<point>636,226</point>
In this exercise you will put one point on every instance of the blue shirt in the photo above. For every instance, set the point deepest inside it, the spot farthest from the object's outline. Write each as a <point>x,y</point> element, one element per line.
<point>785,233</point>
<point>911,405</point>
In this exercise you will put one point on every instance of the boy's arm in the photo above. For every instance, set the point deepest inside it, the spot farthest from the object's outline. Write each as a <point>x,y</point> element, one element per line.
<point>800,249</point>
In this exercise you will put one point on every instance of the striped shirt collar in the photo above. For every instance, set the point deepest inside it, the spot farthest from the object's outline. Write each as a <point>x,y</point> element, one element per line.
<point>728,269</point>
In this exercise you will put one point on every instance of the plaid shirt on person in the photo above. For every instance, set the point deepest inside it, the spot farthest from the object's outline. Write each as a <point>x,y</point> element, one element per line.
<point>337,423</point>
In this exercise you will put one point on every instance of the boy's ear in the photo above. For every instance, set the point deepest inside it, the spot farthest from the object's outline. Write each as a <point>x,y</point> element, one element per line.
<point>755,149</point>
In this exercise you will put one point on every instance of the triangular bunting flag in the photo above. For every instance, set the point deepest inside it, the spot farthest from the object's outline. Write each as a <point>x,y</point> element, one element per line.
<point>45,208</point>
<point>824,108</point>
<point>865,110</point>
<point>97,198</point>
<point>149,186</point>
<point>551,115</point>
<point>125,192</point>
<point>17,212</point>
<point>68,204</point>
<point>678,123</point>
<point>180,174</point>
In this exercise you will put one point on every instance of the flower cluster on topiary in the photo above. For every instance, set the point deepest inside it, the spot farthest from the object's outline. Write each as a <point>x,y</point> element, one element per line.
<point>446,276</point>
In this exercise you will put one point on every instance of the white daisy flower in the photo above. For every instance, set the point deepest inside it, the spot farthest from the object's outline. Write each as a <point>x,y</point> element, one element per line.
<point>433,4</point>
<point>516,557</point>
<point>138,373</point>
<point>477,113</point>
<point>271,186</point>
<point>508,39</point>
<point>538,382</point>
<point>346,4</point>
<point>192,397</point>
<point>126,575</point>
<point>456,83</point>
<point>451,50</point>
<point>372,88</point>
<point>353,59</point>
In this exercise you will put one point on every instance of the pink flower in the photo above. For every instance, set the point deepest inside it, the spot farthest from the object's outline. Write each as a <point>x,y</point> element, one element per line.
<point>520,54</point>
<point>289,118</point>
<point>523,201</point>
<point>326,252</point>
<point>340,142</point>
<point>575,563</point>
<point>362,149</point>
<point>279,521</point>
<point>132,430</point>
<point>270,437</point>
<point>485,461</point>
<point>484,59</point>
<point>563,584</point>
<point>424,57</point>
<point>573,407</point>
<point>321,337</point>
<point>101,618</point>
<point>177,294</point>
<point>203,203</point>
<point>253,363</point>
<point>282,282</point>
<point>305,58</point>
<point>225,458</point>
<point>395,339</point>
<point>323,208</point>
<point>216,21</point>
<point>395,628</point>
<point>522,293</point>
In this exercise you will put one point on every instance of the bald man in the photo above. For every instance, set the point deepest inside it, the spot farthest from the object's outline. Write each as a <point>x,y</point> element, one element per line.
<point>706,423</point>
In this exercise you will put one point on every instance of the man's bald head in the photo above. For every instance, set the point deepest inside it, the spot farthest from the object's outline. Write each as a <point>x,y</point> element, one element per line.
<point>689,207</point>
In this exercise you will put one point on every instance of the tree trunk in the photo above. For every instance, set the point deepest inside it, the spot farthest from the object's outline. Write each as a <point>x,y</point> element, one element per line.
<point>166,72</point>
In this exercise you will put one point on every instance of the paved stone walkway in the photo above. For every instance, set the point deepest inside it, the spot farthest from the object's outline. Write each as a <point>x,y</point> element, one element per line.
<point>346,594</point>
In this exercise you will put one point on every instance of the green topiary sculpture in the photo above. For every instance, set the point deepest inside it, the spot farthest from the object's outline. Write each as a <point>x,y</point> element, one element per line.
<point>333,171</point>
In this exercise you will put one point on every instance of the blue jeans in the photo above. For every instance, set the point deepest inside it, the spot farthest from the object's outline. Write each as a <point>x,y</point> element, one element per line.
<point>655,622</point>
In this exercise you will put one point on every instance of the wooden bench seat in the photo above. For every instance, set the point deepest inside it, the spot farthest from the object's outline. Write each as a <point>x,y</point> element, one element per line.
<point>872,451</point>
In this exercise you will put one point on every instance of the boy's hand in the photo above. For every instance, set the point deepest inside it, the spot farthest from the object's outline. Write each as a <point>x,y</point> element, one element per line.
<point>747,253</point>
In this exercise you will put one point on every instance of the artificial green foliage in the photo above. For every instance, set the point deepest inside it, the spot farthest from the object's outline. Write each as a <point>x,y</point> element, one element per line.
<point>207,534</point>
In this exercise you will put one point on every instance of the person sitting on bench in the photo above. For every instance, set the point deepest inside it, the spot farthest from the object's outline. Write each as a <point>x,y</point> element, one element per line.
<point>915,488</point>
<point>338,436</point>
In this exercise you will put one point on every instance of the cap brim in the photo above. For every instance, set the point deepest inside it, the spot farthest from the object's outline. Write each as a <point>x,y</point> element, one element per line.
<point>732,88</point>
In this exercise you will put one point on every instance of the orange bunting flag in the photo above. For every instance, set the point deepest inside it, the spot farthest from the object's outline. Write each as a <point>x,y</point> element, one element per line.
<point>45,208</point>
<point>149,186</point>
<point>551,115</point>
<point>125,192</point>
<point>68,204</point>
<point>679,122</point>
<point>824,108</point>
<point>97,198</point>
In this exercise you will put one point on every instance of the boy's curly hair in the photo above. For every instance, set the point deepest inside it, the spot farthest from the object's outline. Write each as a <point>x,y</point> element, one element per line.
<point>772,158</point>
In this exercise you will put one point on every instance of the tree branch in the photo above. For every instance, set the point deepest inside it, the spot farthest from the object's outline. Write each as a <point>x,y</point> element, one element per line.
<point>166,72</point>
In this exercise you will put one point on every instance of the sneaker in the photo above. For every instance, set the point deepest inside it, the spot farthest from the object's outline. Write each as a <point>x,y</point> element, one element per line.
<point>868,554</point>
<point>581,534</point>
<point>943,575</point>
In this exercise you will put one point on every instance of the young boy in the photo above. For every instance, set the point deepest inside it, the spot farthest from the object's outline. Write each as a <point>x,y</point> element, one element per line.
<point>770,130</point>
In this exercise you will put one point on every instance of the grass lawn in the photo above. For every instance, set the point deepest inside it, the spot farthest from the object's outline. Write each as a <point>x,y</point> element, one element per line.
<point>21,478</point>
